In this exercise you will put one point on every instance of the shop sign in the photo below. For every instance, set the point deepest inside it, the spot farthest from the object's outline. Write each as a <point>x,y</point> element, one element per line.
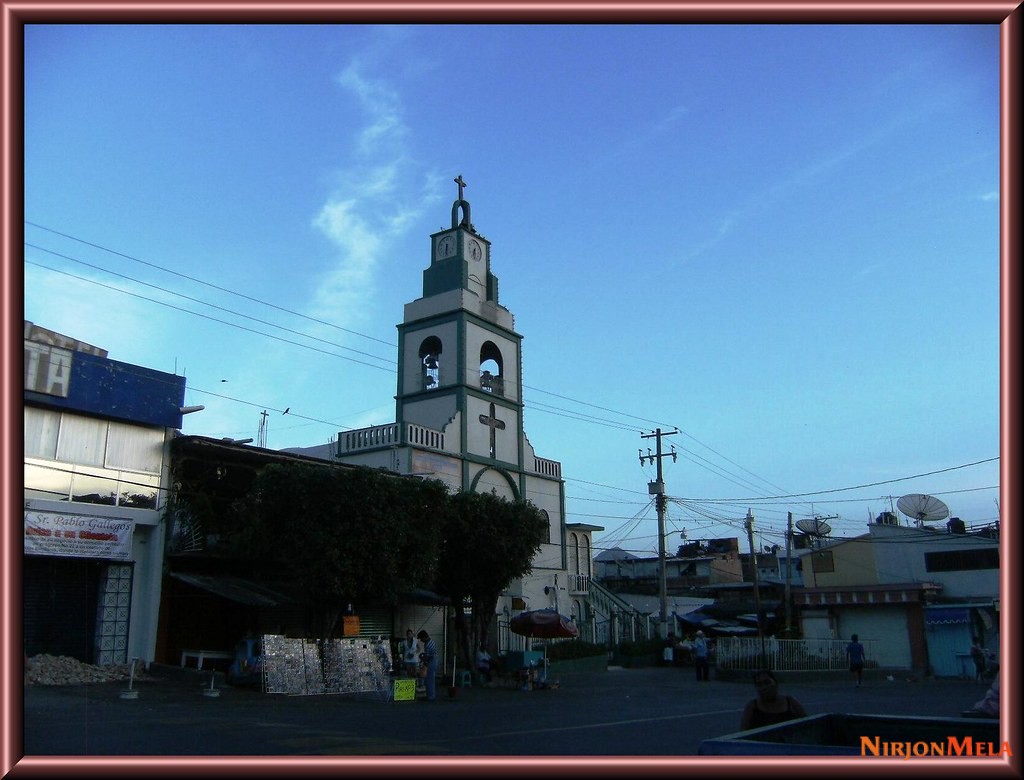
<point>78,536</point>
<point>47,369</point>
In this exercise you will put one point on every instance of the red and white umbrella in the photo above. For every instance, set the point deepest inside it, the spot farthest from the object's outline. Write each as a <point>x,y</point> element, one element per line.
<point>543,624</point>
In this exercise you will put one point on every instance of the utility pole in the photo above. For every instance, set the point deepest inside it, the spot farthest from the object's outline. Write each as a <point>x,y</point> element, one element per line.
<point>657,488</point>
<point>749,524</point>
<point>261,437</point>
<point>789,574</point>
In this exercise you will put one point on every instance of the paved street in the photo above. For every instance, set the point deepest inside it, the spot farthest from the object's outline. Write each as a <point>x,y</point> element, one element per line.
<point>633,712</point>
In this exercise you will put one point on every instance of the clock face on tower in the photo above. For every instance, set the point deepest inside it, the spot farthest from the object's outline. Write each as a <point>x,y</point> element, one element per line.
<point>446,246</point>
<point>475,250</point>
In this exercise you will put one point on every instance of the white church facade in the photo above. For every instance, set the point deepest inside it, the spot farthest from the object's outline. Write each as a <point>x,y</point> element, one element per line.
<point>459,414</point>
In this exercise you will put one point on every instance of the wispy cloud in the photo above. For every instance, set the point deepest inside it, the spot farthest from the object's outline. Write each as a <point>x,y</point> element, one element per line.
<point>383,106</point>
<point>725,227</point>
<point>642,136</point>
<point>359,249</point>
<point>814,170</point>
<point>371,205</point>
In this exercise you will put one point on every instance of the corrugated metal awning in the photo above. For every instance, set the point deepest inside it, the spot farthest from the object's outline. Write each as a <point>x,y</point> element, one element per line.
<point>696,618</point>
<point>235,589</point>
<point>424,597</point>
<point>946,616</point>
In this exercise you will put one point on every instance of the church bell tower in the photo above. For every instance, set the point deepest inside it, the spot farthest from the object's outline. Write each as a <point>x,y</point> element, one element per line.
<point>459,411</point>
<point>460,357</point>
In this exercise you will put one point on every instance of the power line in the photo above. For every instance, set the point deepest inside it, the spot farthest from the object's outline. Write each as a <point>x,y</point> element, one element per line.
<point>852,487</point>
<point>208,317</point>
<point>204,283</point>
<point>709,466</point>
<point>541,407</point>
<point>391,363</point>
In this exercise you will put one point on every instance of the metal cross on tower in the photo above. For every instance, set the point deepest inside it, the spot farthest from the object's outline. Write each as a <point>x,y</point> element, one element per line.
<point>493,423</point>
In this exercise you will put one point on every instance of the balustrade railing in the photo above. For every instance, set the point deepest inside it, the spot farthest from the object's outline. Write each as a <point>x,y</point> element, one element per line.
<point>579,584</point>
<point>618,620</point>
<point>388,436</point>
<point>549,468</point>
<point>424,437</point>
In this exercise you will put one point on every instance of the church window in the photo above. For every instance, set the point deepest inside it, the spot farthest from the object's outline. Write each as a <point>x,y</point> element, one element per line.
<point>491,379</point>
<point>430,362</point>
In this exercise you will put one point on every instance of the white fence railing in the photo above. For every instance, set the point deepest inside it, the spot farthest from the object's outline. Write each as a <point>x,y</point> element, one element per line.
<point>787,655</point>
<point>579,583</point>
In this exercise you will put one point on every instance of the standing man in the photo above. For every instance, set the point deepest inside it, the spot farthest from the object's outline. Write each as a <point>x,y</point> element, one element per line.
<point>855,652</point>
<point>700,657</point>
<point>429,659</point>
<point>978,656</point>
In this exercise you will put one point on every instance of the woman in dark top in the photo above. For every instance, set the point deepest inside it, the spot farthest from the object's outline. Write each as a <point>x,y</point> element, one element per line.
<point>769,708</point>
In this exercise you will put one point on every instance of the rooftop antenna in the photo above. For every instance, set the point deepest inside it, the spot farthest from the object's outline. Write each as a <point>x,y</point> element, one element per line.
<point>814,527</point>
<point>923,508</point>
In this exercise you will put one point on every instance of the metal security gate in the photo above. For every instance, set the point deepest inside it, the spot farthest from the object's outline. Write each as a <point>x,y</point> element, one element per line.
<point>374,623</point>
<point>60,597</point>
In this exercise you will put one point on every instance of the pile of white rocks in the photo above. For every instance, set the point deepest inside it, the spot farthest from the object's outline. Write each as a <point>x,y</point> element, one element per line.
<point>63,670</point>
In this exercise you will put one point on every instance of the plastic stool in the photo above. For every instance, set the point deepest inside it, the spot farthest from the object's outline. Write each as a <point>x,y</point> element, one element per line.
<point>466,679</point>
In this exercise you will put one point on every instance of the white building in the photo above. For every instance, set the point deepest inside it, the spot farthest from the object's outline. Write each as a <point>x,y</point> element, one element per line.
<point>97,434</point>
<point>919,593</point>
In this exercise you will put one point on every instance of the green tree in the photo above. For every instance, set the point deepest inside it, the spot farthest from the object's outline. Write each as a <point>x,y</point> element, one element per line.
<point>487,542</point>
<point>343,536</point>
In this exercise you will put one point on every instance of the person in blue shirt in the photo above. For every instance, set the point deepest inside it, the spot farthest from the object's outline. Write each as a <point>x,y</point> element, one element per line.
<point>700,656</point>
<point>855,652</point>
<point>429,659</point>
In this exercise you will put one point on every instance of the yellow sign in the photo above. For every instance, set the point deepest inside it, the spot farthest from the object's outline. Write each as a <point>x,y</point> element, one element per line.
<point>405,690</point>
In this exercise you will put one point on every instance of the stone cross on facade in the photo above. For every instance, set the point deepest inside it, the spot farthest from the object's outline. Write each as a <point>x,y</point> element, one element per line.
<point>494,424</point>
<point>461,184</point>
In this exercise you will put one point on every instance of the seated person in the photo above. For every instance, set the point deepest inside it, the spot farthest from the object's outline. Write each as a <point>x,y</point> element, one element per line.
<point>769,708</point>
<point>483,663</point>
<point>988,705</point>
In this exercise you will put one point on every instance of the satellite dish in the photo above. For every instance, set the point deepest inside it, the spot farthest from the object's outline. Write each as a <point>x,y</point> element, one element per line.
<point>813,526</point>
<point>922,508</point>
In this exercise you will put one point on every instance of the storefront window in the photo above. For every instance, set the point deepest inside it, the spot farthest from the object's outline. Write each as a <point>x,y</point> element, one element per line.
<point>48,481</point>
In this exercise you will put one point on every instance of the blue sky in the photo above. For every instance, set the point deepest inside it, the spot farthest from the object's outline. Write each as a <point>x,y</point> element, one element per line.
<point>782,240</point>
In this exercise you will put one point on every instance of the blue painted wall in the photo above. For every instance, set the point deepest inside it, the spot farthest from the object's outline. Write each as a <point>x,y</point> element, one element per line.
<point>110,388</point>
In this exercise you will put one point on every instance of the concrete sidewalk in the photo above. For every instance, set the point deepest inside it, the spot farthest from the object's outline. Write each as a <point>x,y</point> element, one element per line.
<point>620,712</point>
